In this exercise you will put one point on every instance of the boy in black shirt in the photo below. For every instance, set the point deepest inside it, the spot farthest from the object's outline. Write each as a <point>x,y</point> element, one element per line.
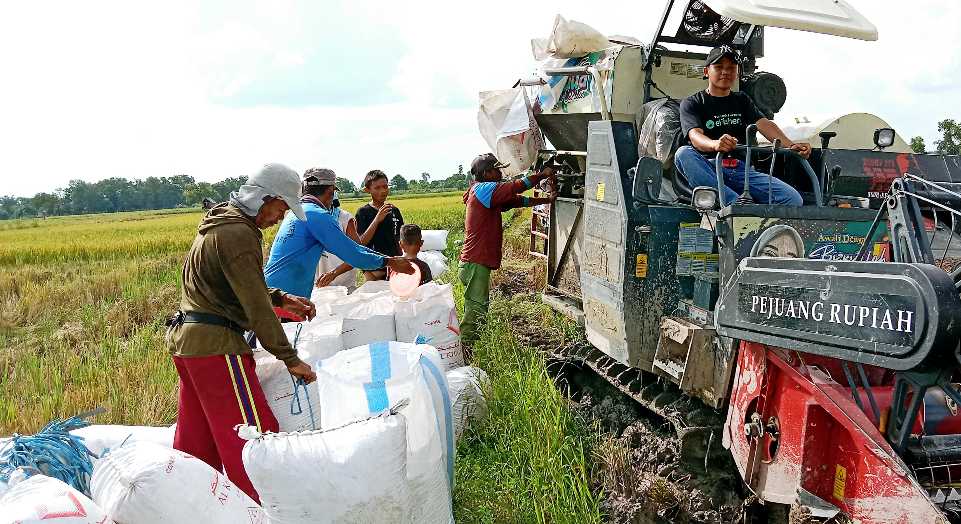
<point>715,120</point>
<point>383,217</point>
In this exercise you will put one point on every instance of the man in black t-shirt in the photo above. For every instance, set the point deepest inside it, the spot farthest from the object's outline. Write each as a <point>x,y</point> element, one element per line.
<point>715,120</point>
<point>378,223</point>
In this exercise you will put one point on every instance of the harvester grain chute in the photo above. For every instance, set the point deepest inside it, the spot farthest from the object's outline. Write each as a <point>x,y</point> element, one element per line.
<point>824,339</point>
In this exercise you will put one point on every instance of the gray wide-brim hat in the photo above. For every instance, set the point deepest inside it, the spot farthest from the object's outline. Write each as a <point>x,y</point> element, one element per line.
<point>280,181</point>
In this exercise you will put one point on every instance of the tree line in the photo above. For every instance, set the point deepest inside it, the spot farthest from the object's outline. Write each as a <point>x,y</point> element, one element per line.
<point>950,143</point>
<point>120,194</point>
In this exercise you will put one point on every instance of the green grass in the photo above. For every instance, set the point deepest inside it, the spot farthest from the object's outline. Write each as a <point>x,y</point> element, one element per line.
<point>529,462</point>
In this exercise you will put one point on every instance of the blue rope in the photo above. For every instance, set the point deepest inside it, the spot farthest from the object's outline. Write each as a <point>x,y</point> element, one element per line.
<point>53,452</point>
<point>298,384</point>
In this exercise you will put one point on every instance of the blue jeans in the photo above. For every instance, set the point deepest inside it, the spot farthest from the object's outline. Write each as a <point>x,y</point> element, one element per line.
<point>699,171</point>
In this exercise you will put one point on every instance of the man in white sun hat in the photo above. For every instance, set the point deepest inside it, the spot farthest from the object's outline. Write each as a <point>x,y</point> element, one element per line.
<point>224,294</point>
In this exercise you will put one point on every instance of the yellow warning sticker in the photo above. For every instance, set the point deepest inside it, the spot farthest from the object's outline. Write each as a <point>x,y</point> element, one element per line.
<point>600,191</point>
<point>840,480</point>
<point>641,269</point>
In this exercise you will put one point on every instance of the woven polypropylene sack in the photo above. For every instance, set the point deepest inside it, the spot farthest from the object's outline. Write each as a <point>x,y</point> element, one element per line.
<point>569,39</point>
<point>294,406</point>
<point>468,405</point>
<point>46,500</point>
<point>434,239</point>
<point>430,317</point>
<point>436,261</point>
<point>365,381</point>
<point>371,321</point>
<point>146,483</point>
<point>101,438</point>
<point>356,473</point>
<point>318,339</point>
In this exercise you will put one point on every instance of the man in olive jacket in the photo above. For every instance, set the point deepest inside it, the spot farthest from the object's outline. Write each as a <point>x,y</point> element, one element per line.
<point>224,294</point>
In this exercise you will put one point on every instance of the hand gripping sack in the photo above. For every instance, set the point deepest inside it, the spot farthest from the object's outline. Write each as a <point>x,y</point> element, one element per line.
<point>505,121</point>
<point>45,500</point>
<point>430,317</point>
<point>361,382</point>
<point>293,404</point>
<point>355,473</point>
<point>145,483</point>
<point>468,405</point>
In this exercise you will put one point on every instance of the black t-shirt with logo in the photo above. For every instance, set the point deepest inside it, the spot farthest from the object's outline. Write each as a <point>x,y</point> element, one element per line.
<point>387,234</point>
<point>719,115</point>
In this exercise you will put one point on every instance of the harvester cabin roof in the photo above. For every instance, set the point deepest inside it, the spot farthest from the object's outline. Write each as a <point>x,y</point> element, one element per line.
<point>832,17</point>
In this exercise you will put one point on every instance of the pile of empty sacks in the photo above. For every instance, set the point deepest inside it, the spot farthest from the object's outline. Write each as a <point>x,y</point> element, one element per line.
<point>372,440</point>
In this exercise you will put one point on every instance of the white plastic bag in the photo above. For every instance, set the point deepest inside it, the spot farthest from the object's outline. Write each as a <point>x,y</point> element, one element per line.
<point>356,473</point>
<point>437,262</point>
<point>505,124</point>
<point>434,239</point>
<point>294,406</point>
<point>100,439</point>
<point>430,317</point>
<point>372,287</point>
<point>324,295</point>
<point>145,483</point>
<point>317,339</point>
<point>569,39</point>
<point>45,500</point>
<point>371,321</point>
<point>365,381</point>
<point>467,397</point>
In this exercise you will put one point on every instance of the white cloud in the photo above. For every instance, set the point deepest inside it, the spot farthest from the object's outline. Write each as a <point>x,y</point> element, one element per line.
<point>135,89</point>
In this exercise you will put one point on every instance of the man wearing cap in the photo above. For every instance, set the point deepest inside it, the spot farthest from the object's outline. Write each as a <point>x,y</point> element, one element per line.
<point>224,294</point>
<point>715,120</point>
<point>486,199</point>
<point>299,243</point>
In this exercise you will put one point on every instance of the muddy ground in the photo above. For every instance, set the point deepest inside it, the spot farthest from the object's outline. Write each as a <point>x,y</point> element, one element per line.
<point>636,458</point>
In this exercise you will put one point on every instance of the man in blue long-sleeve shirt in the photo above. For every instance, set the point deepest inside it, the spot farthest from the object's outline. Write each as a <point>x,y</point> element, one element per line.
<point>299,243</point>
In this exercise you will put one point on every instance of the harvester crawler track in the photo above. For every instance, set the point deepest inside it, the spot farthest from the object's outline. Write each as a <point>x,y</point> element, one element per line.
<point>697,426</point>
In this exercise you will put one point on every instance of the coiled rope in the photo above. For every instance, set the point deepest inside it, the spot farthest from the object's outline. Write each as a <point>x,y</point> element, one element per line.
<point>53,452</point>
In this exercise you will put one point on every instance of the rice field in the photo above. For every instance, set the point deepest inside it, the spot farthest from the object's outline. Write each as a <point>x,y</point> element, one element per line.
<point>82,301</point>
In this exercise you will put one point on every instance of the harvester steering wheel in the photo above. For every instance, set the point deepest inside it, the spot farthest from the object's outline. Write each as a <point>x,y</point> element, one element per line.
<point>745,197</point>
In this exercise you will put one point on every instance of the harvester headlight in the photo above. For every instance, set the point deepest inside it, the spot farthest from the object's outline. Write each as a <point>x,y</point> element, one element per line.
<point>884,137</point>
<point>704,198</point>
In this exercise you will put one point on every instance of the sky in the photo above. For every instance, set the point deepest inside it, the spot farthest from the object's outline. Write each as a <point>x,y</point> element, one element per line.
<point>213,89</point>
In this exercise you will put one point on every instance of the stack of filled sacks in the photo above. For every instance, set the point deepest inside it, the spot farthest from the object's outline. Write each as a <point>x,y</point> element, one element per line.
<point>132,482</point>
<point>385,451</point>
<point>373,314</point>
<point>432,252</point>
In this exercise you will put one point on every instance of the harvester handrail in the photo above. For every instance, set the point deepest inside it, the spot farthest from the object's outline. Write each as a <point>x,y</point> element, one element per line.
<point>815,181</point>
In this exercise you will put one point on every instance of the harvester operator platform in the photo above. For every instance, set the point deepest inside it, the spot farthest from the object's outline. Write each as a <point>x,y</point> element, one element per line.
<point>713,119</point>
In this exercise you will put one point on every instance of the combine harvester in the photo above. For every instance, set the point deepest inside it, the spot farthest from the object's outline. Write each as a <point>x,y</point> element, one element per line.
<point>818,345</point>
